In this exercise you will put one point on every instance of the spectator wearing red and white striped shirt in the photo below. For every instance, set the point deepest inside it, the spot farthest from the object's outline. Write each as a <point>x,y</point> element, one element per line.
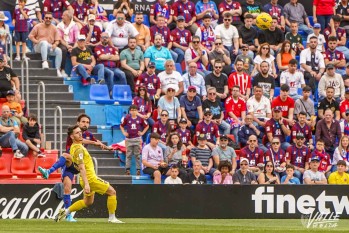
<point>241,79</point>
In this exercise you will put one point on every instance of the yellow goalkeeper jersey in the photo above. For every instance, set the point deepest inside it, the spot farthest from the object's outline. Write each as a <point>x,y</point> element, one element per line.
<point>81,156</point>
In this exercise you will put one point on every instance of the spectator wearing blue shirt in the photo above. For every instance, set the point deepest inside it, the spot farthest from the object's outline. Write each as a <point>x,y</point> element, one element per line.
<point>157,54</point>
<point>193,78</point>
<point>206,7</point>
<point>191,107</point>
<point>289,178</point>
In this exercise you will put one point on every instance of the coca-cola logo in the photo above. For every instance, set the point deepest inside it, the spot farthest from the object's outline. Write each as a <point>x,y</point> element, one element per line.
<point>37,206</point>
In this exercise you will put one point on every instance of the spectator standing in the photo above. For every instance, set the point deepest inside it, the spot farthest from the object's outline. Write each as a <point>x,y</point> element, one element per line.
<point>323,11</point>
<point>34,12</point>
<point>20,18</point>
<point>132,62</point>
<point>46,39</point>
<point>153,159</point>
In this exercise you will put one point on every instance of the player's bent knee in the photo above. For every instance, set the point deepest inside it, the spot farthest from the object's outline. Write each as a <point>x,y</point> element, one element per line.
<point>111,191</point>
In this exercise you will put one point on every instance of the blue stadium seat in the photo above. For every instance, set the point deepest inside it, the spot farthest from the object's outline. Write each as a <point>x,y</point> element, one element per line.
<point>120,96</point>
<point>145,19</point>
<point>179,68</point>
<point>9,21</point>
<point>299,91</point>
<point>111,17</point>
<point>100,94</point>
<point>311,20</point>
<point>276,91</point>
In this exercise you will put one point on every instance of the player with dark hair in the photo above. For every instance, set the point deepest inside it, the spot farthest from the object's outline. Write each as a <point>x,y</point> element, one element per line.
<point>89,181</point>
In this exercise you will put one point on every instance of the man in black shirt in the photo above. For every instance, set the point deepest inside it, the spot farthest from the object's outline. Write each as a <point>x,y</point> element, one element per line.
<point>265,81</point>
<point>343,11</point>
<point>196,177</point>
<point>329,102</point>
<point>218,80</point>
<point>6,76</point>
<point>252,7</point>
<point>274,36</point>
<point>248,36</point>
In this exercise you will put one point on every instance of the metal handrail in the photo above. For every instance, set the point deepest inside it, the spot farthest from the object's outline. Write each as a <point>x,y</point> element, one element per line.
<point>58,108</point>
<point>9,44</point>
<point>25,84</point>
<point>43,125</point>
<point>95,161</point>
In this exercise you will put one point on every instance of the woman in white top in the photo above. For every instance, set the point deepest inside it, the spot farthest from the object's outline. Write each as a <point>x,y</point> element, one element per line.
<point>264,55</point>
<point>341,152</point>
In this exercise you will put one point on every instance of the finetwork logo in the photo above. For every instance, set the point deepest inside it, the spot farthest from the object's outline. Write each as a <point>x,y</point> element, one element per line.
<point>319,220</point>
<point>266,201</point>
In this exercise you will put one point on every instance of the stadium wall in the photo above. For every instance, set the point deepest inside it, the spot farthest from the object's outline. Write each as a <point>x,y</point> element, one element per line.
<point>184,201</point>
<point>144,5</point>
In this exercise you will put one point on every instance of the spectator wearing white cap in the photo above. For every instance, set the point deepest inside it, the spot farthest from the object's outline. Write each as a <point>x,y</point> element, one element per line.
<point>92,32</point>
<point>243,175</point>
<point>313,176</point>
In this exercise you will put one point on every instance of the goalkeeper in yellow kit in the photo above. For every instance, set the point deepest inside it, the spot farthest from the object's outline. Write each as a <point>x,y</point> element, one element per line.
<point>89,181</point>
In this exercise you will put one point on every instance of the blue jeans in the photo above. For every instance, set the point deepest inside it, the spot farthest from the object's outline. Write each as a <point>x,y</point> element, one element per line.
<point>174,55</point>
<point>98,69</point>
<point>114,76</point>
<point>9,140</point>
<point>285,145</point>
<point>323,20</point>
<point>344,50</point>
<point>180,55</point>
<point>45,49</point>
<point>303,27</point>
<point>299,175</point>
<point>225,127</point>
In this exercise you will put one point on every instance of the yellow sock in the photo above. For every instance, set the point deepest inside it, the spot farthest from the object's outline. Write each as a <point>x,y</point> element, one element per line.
<point>77,206</point>
<point>111,204</point>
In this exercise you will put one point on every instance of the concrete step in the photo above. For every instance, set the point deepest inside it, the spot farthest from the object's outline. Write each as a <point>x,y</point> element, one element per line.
<point>69,120</point>
<point>49,87</point>
<point>102,154</point>
<point>54,103</point>
<point>117,179</point>
<point>34,56</point>
<point>110,170</point>
<point>54,96</point>
<point>108,161</point>
<point>46,79</point>
<point>66,111</point>
<point>32,64</point>
<point>38,72</point>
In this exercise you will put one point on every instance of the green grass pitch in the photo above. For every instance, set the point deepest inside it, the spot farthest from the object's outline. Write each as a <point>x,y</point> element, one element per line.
<point>164,225</point>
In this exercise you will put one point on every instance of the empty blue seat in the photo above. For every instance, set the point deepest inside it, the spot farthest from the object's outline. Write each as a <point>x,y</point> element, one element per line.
<point>145,19</point>
<point>9,21</point>
<point>276,91</point>
<point>122,94</point>
<point>179,68</point>
<point>100,94</point>
<point>311,20</point>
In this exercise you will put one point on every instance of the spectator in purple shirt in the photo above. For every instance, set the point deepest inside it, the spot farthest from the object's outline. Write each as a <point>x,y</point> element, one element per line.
<point>20,17</point>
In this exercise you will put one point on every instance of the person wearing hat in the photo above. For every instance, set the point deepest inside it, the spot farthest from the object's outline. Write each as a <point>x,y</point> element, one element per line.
<point>187,9</point>
<point>132,62</point>
<point>46,39</point>
<point>85,63</point>
<point>302,126</point>
<point>4,30</point>
<point>286,103</point>
<point>244,176</point>
<point>151,81</point>
<point>329,103</point>
<point>241,77</point>
<point>153,159</point>
<point>170,103</point>
<point>335,28</point>
<point>181,38</point>
<point>332,79</point>
<point>80,12</point>
<point>334,57</point>
<point>191,107</point>
<point>143,38</point>
<point>202,153</point>
<point>297,155</point>
<point>206,33</point>
<point>161,29</point>
<point>325,159</point>
<point>92,32</point>
<point>157,54</point>
<point>223,152</point>
<point>293,78</point>
<point>184,134</point>
<point>15,107</point>
<point>278,127</point>
<point>306,104</point>
<point>313,176</point>
<point>340,176</point>
<point>312,63</point>
<point>171,77</point>
<point>209,129</point>
<point>321,38</point>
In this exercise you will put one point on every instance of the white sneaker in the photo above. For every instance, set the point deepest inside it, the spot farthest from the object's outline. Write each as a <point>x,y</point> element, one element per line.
<point>114,220</point>
<point>18,154</point>
<point>17,58</point>
<point>64,74</point>
<point>45,65</point>
<point>25,58</point>
<point>59,74</point>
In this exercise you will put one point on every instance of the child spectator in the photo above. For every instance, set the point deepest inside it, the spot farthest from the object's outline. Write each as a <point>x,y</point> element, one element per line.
<point>289,178</point>
<point>173,178</point>
<point>224,177</point>
<point>31,135</point>
<point>15,107</point>
<point>185,134</point>
<point>20,17</point>
<point>136,128</point>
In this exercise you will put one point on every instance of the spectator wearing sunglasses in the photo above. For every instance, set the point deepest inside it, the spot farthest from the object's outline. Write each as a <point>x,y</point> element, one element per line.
<point>220,53</point>
<point>195,53</point>
<point>243,176</point>
<point>248,62</point>
<point>218,80</point>
<point>234,8</point>
<point>92,32</point>
<point>268,176</point>
<point>277,156</point>
<point>253,154</point>
<point>209,129</point>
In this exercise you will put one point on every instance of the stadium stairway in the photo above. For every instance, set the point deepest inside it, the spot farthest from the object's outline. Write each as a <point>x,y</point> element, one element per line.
<point>57,94</point>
